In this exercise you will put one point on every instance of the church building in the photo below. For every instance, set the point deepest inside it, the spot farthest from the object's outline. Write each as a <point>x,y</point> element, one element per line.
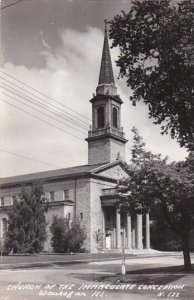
<point>88,193</point>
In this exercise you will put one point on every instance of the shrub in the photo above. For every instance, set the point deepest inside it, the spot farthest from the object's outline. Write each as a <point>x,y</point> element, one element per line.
<point>66,238</point>
<point>98,237</point>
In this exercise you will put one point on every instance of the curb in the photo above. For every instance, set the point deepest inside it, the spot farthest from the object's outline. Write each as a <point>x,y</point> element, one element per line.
<point>39,264</point>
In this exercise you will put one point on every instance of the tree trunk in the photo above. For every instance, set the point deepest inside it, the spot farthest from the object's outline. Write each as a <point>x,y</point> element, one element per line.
<point>186,253</point>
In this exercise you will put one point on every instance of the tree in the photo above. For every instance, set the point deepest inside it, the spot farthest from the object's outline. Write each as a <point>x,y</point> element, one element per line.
<point>66,237</point>
<point>156,43</point>
<point>154,183</point>
<point>27,222</point>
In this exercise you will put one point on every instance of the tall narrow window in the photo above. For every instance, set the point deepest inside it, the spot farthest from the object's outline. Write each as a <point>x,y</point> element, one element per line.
<point>52,196</point>
<point>2,201</point>
<point>4,223</point>
<point>81,216</point>
<point>66,194</point>
<point>115,121</point>
<point>14,199</point>
<point>101,117</point>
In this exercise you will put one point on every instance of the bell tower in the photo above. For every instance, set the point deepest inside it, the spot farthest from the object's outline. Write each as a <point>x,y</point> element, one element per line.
<point>106,139</point>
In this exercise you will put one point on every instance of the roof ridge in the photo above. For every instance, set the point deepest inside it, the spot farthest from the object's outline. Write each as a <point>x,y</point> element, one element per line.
<point>104,166</point>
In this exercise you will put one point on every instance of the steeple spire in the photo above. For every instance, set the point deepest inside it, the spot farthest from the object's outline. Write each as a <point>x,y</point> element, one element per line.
<point>106,77</point>
<point>106,137</point>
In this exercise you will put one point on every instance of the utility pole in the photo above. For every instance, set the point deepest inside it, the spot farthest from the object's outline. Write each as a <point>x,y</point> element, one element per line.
<point>123,266</point>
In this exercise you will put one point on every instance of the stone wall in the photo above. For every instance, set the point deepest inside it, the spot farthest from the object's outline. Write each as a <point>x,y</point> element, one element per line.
<point>105,150</point>
<point>83,206</point>
<point>84,194</point>
<point>96,208</point>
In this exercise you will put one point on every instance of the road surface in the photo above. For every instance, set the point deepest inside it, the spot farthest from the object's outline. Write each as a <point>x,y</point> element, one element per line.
<point>95,280</point>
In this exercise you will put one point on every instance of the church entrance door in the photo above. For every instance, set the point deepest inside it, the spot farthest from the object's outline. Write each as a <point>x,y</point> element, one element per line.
<point>108,241</point>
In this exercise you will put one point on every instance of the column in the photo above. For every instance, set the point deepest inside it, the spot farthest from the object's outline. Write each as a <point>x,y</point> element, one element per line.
<point>118,229</point>
<point>103,231</point>
<point>139,231</point>
<point>114,238</point>
<point>128,231</point>
<point>123,238</point>
<point>133,239</point>
<point>147,231</point>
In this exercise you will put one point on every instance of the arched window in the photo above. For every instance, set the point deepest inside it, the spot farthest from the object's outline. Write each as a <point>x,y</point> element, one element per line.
<point>115,121</point>
<point>101,117</point>
<point>4,223</point>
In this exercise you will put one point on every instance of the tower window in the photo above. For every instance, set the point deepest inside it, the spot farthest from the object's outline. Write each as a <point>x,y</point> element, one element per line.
<point>108,218</point>
<point>115,121</point>
<point>101,117</point>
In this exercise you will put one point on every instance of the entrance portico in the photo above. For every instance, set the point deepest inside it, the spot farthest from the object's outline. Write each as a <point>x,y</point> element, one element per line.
<point>121,228</point>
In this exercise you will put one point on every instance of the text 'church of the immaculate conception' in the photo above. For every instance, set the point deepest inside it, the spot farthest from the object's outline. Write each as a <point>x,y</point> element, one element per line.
<point>88,193</point>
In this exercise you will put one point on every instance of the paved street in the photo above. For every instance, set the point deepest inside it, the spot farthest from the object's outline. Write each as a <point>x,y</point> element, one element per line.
<point>84,280</point>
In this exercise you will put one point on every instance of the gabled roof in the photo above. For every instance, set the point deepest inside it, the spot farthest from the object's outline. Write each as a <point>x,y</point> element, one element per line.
<point>66,173</point>
<point>49,174</point>
<point>106,166</point>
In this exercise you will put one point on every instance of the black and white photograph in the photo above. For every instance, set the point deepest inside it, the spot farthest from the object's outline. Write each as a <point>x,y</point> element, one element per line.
<point>96,149</point>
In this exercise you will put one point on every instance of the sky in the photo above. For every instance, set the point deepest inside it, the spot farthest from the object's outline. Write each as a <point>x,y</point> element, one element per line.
<point>50,60</point>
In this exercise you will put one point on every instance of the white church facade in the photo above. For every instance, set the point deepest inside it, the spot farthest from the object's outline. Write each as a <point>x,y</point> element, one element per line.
<point>88,193</point>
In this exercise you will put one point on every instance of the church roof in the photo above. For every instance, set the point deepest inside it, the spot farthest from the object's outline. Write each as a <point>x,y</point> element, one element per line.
<point>106,72</point>
<point>67,173</point>
<point>78,170</point>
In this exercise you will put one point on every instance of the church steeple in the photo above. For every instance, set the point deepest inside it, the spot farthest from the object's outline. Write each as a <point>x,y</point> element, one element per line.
<point>106,72</point>
<point>106,139</point>
<point>106,82</point>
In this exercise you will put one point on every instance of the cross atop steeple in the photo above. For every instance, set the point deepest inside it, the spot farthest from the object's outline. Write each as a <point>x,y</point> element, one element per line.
<point>105,25</point>
<point>106,76</point>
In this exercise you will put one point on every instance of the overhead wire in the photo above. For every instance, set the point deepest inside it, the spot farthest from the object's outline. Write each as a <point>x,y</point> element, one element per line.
<point>35,102</point>
<point>11,4</point>
<point>43,94</point>
<point>44,121</point>
<point>45,114</point>
<point>77,120</point>
<point>28,158</point>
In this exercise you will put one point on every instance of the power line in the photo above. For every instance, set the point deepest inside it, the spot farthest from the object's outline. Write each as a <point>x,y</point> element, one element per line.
<point>39,112</point>
<point>28,158</point>
<point>51,105</point>
<point>41,106</point>
<point>45,95</point>
<point>10,4</point>
<point>47,115</point>
<point>44,121</point>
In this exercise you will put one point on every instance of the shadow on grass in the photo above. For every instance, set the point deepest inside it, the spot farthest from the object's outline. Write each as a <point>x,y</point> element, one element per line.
<point>156,276</point>
<point>146,279</point>
<point>162,270</point>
